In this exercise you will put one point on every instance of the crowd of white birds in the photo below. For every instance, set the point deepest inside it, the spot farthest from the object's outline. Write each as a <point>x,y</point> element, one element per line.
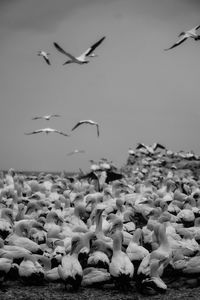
<point>142,229</point>
<point>139,226</point>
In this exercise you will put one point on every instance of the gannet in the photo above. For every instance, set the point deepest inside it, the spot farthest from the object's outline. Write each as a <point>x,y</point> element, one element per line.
<point>82,59</point>
<point>47,130</point>
<point>192,33</point>
<point>47,117</point>
<point>45,56</point>
<point>76,151</point>
<point>87,122</point>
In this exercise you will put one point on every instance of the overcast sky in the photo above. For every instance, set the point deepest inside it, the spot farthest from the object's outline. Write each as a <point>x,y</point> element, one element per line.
<point>135,90</point>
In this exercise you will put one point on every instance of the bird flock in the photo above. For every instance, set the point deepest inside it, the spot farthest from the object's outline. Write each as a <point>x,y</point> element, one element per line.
<point>136,226</point>
<point>82,59</point>
<point>139,231</point>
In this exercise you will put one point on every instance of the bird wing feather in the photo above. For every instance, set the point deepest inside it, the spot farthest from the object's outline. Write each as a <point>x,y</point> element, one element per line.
<point>64,52</point>
<point>196,27</point>
<point>47,60</point>
<point>180,41</point>
<point>36,118</point>
<point>34,132</point>
<point>93,47</point>
<point>60,132</point>
<point>97,130</point>
<point>78,124</point>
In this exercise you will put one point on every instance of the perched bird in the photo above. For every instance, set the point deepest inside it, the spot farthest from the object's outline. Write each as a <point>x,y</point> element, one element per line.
<point>47,131</point>
<point>120,268</point>
<point>192,33</point>
<point>75,152</point>
<point>70,270</point>
<point>47,117</point>
<point>45,56</point>
<point>82,59</point>
<point>87,122</point>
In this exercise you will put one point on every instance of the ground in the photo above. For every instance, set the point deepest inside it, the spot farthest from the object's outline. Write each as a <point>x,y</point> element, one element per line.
<point>17,290</point>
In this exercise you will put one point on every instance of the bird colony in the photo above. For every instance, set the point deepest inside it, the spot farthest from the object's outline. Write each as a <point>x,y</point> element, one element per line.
<point>138,226</point>
<point>135,228</point>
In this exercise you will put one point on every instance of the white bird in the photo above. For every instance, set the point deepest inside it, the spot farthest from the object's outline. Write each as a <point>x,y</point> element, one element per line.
<point>45,56</point>
<point>47,117</point>
<point>47,131</point>
<point>87,122</point>
<point>82,59</point>
<point>76,151</point>
<point>192,33</point>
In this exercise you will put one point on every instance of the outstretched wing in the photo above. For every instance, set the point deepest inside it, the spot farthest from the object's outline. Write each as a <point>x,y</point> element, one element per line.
<point>157,145</point>
<point>33,132</point>
<point>37,118</point>
<point>70,153</point>
<point>74,152</point>
<point>60,132</point>
<point>180,41</point>
<point>77,125</point>
<point>93,47</point>
<point>64,52</point>
<point>81,151</point>
<point>197,27</point>
<point>55,115</point>
<point>47,60</point>
<point>140,145</point>
<point>97,130</point>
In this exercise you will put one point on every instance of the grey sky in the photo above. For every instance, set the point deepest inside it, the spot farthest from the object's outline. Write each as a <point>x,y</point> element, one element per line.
<point>135,90</point>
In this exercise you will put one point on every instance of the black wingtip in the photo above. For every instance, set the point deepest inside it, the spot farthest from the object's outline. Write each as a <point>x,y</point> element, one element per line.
<point>56,45</point>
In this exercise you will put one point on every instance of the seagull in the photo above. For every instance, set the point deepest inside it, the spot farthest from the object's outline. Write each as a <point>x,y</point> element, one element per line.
<point>82,59</point>
<point>45,56</point>
<point>76,151</point>
<point>47,117</point>
<point>192,33</point>
<point>87,122</point>
<point>47,131</point>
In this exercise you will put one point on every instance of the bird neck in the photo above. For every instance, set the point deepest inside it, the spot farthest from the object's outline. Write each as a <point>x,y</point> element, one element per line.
<point>136,236</point>
<point>117,242</point>
<point>154,266</point>
<point>98,220</point>
<point>164,243</point>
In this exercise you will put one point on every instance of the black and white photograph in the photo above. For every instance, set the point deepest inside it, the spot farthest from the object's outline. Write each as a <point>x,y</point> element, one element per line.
<point>99,149</point>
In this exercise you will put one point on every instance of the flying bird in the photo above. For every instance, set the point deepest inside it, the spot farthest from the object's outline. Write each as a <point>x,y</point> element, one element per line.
<point>87,122</point>
<point>192,33</point>
<point>45,55</point>
<point>47,117</point>
<point>75,152</point>
<point>82,59</point>
<point>150,149</point>
<point>47,131</point>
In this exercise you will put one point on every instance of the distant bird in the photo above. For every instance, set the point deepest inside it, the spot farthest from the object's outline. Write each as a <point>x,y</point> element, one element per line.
<point>47,117</point>
<point>192,33</point>
<point>87,122</point>
<point>47,131</point>
<point>76,151</point>
<point>82,59</point>
<point>131,151</point>
<point>150,149</point>
<point>45,55</point>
